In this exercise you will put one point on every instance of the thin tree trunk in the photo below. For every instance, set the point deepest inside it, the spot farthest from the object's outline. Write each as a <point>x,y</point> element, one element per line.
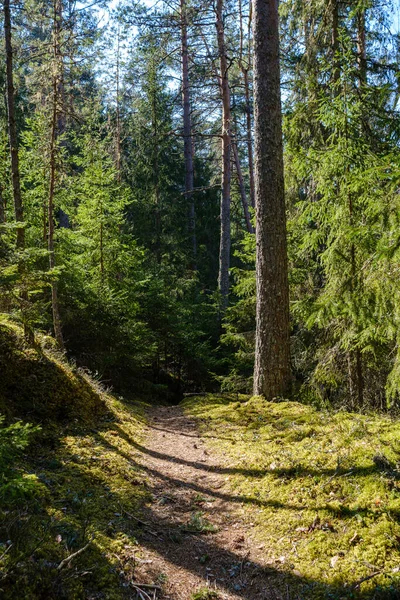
<point>355,362</point>
<point>2,206</point>
<point>356,379</point>
<point>242,188</point>
<point>12,127</point>
<point>272,353</point>
<point>187,136</point>
<point>156,180</point>
<point>102,248</point>
<point>249,136</point>
<point>225,217</point>
<point>245,72</point>
<point>335,42</point>
<point>55,123</point>
<point>362,47</point>
<point>118,116</point>
<point>14,155</point>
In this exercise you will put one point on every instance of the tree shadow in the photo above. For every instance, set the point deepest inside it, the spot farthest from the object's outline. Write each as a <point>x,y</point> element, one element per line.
<point>232,571</point>
<point>37,386</point>
<point>340,511</point>
<point>191,435</point>
<point>83,496</point>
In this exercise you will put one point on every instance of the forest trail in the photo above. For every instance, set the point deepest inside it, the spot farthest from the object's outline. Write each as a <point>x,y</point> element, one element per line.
<point>190,494</point>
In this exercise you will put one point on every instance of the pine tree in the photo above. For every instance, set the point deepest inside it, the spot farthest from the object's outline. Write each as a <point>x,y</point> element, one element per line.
<point>272,356</point>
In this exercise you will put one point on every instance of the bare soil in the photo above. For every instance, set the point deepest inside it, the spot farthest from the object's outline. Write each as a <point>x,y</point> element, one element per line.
<point>190,494</point>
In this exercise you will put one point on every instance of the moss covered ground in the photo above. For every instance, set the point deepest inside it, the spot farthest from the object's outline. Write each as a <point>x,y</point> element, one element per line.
<point>74,535</point>
<point>322,490</point>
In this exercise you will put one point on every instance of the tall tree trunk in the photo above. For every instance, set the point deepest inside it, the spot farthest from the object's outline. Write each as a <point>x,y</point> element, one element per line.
<point>187,136</point>
<point>12,127</point>
<point>245,67</point>
<point>56,122</point>
<point>225,216</point>
<point>362,46</point>
<point>156,180</point>
<point>355,361</point>
<point>272,354</point>
<point>14,155</point>
<point>117,110</point>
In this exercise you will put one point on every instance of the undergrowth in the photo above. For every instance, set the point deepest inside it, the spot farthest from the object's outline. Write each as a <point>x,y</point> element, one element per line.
<point>322,489</point>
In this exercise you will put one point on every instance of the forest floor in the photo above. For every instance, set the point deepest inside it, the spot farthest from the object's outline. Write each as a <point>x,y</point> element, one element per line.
<point>196,538</point>
<point>251,500</point>
<point>223,497</point>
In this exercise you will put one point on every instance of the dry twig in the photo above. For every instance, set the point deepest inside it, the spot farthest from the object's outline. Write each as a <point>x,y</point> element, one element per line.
<point>67,560</point>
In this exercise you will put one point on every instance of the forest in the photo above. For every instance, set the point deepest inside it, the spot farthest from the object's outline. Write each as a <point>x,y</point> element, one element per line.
<point>200,299</point>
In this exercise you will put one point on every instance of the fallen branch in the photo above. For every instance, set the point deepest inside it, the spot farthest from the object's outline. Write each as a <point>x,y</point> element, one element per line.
<point>141,593</point>
<point>141,522</point>
<point>152,586</point>
<point>67,560</point>
<point>7,550</point>
<point>142,587</point>
<point>367,578</point>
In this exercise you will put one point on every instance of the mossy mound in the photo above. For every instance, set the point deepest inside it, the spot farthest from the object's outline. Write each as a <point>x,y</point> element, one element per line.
<point>39,386</point>
<point>87,490</point>
<point>323,490</point>
<point>70,534</point>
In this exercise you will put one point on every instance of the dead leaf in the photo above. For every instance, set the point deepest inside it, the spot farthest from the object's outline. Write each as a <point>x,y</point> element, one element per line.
<point>356,538</point>
<point>303,529</point>
<point>334,560</point>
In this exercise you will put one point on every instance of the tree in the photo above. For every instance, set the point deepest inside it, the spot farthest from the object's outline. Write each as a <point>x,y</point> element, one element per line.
<point>187,132</point>
<point>272,358</point>
<point>56,126</point>
<point>225,218</point>
<point>12,127</point>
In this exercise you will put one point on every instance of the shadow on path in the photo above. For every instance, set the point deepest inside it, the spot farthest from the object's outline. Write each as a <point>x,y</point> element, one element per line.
<point>229,559</point>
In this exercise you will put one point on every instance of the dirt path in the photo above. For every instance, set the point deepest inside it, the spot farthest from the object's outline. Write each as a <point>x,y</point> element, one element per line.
<point>190,494</point>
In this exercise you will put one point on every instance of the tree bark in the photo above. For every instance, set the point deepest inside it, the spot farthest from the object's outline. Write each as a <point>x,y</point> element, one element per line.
<point>187,136</point>
<point>272,353</point>
<point>12,127</point>
<point>225,217</point>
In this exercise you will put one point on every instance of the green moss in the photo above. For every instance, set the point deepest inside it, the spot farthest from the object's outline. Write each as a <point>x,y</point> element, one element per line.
<point>90,487</point>
<point>38,384</point>
<point>205,594</point>
<point>86,483</point>
<point>323,489</point>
